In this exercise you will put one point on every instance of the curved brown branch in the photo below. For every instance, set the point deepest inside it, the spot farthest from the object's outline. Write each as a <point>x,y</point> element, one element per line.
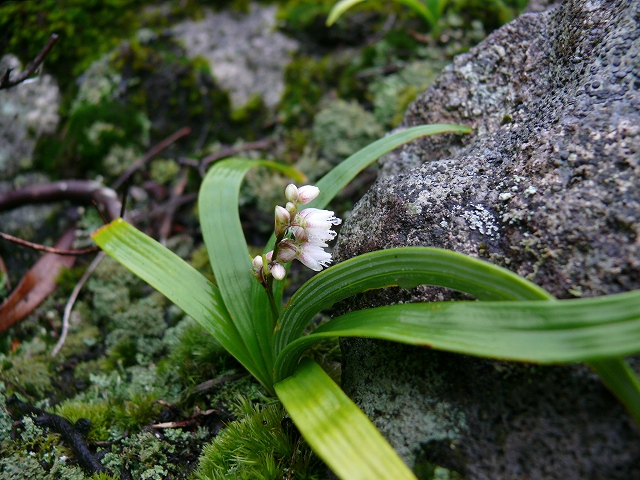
<point>79,191</point>
<point>44,248</point>
<point>149,155</point>
<point>31,68</point>
<point>229,151</point>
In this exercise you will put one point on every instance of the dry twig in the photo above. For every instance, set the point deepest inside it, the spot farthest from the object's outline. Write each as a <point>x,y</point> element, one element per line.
<point>229,151</point>
<point>5,82</point>
<point>72,300</point>
<point>138,164</point>
<point>44,248</point>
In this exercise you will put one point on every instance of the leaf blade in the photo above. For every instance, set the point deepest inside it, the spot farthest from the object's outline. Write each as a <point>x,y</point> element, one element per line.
<point>337,430</point>
<point>174,278</point>
<point>591,330</point>
<point>229,256</point>
<point>338,10</point>
<point>401,266</point>
<point>338,178</point>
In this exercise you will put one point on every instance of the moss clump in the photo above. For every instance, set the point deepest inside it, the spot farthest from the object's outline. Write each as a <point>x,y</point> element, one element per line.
<point>135,335</point>
<point>194,354</point>
<point>87,29</point>
<point>164,171</point>
<point>307,81</point>
<point>38,454</point>
<point>174,91</point>
<point>104,137</point>
<point>392,94</point>
<point>257,446</point>
<point>26,375</point>
<point>342,128</point>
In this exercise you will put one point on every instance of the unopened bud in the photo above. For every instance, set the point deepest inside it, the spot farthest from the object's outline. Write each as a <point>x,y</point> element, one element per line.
<point>278,271</point>
<point>282,219</point>
<point>287,251</point>
<point>292,208</point>
<point>257,262</point>
<point>300,233</point>
<point>307,193</point>
<point>291,193</point>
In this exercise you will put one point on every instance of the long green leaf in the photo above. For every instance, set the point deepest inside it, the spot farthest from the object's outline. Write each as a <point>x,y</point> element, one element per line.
<point>430,15</point>
<point>427,14</point>
<point>339,8</point>
<point>406,267</point>
<point>578,330</point>
<point>176,279</point>
<point>230,260</point>
<point>340,176</point>
<point>618,376</point>
<point>336,428</point>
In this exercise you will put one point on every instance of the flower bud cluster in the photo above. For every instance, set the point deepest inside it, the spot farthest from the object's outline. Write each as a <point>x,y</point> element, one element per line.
<point>300,235</point>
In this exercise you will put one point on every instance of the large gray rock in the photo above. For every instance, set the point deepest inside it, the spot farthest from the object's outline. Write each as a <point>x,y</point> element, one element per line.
<point>547,186</point>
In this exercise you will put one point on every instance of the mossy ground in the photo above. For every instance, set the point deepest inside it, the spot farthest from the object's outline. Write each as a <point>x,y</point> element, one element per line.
<point>132,360</point>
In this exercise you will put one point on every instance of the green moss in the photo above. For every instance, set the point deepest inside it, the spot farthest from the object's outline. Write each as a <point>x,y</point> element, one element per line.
<point>194,354</point>
<point>164,171</point>
<point>392,94</point>
<point>135,335</point>
<point>93,133</point>
<point>173,90</point>
<point>342,128</point>
<point>307,81</point>
<point>200,261</point>
<point>303,15</point>
<point>99,414</point>
<point>257,446</point>
<point>87,29</point>
<point>37,454</point>
<point>26,375</point>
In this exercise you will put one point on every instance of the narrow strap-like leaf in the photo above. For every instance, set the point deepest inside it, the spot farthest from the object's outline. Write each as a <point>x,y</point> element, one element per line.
<point>339,8</point>
<point>406,267</point>
<point>229,256</point>
<point>340,176</point>
<point>337,430</point>
<point>618,376</point>
<point>176,279</point>
<point>579,330</point>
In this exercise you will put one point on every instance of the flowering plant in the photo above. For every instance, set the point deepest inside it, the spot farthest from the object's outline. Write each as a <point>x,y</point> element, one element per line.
<point>516,320</point>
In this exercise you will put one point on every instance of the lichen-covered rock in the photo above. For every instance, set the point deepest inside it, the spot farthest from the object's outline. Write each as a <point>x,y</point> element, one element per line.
<point>246,53</point>
<point>547,186</point>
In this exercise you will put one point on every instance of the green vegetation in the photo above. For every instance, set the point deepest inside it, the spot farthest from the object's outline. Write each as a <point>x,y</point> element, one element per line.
<point>262,443</point>
<point>132,359</point>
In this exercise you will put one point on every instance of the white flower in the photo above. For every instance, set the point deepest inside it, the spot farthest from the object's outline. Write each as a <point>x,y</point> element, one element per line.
<point>313,256</point>
<point>315,224</point>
